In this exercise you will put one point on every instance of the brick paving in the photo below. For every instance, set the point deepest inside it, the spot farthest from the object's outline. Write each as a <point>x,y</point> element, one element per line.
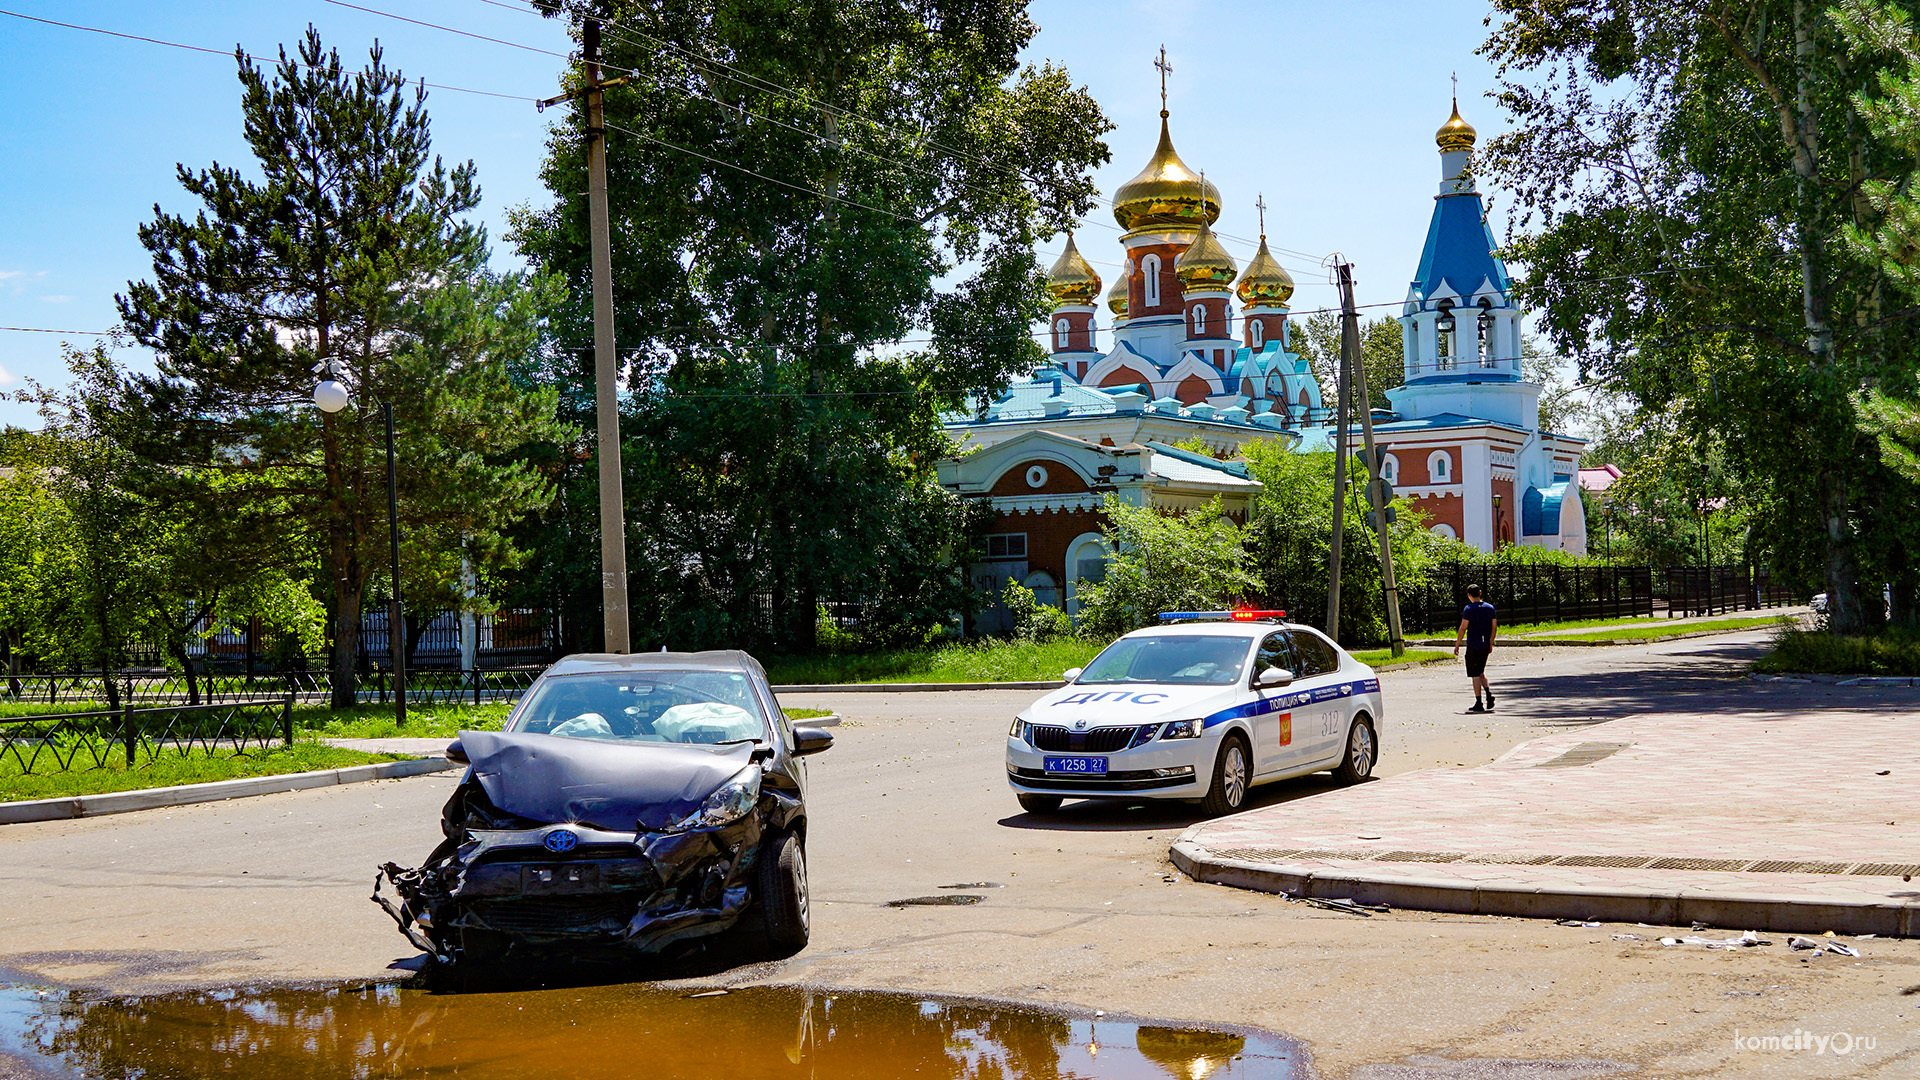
<point>1777,821</point>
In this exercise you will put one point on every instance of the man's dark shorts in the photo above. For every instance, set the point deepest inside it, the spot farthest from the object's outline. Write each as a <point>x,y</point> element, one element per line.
<point>1477,662</point>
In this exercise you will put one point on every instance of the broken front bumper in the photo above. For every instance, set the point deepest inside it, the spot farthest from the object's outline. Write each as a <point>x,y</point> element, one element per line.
<point>637,891</point>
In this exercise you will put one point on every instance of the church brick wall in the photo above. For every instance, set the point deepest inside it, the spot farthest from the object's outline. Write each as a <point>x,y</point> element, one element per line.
<point>1061,480</point>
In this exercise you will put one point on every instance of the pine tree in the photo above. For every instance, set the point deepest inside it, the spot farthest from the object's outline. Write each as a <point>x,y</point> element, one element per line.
<point>349,255</point>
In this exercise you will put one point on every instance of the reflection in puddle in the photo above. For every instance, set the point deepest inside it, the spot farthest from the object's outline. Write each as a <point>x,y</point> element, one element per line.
<point>604,1031</point>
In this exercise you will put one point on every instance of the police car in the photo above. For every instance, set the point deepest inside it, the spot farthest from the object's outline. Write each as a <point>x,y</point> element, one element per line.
<point>1201,707</point>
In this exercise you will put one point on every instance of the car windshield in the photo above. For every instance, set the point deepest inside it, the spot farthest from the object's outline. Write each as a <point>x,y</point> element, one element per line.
<point>1172,658</point>
<point>663,706</point>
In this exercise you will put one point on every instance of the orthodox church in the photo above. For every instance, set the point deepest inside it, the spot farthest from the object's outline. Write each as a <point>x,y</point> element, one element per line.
<point>1180,365</point>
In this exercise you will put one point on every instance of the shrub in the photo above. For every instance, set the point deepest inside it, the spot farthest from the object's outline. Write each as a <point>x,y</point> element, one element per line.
<point>1032,620</point>
<point>1817,652</point>
<point>1165,562</point>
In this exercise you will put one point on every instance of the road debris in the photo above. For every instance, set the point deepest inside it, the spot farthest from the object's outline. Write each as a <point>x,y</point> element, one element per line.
<point>1351,907</point>
<point>1746,940</point>
<point>1574,922</point>
<point>1800,944</point>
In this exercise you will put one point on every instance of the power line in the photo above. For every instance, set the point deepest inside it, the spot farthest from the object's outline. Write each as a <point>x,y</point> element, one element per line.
<point>224,52</point>
<point>802,98</point>
<point>44,330</point>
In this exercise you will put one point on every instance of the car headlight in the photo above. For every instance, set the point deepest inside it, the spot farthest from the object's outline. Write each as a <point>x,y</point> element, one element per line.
<point>1181,729</point>
<point>1018,730</point>
<point>729,802</point>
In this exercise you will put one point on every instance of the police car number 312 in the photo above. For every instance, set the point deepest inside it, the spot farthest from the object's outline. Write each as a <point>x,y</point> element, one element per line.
<point>1201,707</point>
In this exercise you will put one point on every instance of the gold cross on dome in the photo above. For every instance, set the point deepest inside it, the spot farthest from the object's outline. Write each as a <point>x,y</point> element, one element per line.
<point>1166,69</point>
<point>1261,204</point>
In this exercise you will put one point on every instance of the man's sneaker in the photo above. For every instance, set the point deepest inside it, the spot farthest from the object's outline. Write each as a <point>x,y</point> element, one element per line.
<point>1477,707</point>
<point>1489,702</point>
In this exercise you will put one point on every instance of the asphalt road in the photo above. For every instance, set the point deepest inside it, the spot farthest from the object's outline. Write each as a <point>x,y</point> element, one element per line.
<point>1081,907</point>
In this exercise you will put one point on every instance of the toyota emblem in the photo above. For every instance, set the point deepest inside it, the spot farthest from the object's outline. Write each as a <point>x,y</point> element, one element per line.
<point>562,840</point>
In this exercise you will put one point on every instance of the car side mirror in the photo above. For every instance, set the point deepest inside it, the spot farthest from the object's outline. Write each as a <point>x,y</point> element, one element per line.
<point>456,752</point>
<point>810,740</point>
<point>1071,674</point>
<point>1273,676</point>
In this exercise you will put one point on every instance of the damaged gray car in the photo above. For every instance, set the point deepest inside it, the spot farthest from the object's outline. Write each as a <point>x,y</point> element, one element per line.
<point>630,804</point>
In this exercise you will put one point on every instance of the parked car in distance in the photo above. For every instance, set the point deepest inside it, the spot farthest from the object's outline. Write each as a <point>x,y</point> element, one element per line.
<point>1202,707</point>
<point>631,803</point>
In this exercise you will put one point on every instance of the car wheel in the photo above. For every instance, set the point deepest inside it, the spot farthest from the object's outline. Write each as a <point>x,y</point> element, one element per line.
<point>1038,804</point>
<point>1363,749</point>
<point>783,895</point>
<point>1231,775</point>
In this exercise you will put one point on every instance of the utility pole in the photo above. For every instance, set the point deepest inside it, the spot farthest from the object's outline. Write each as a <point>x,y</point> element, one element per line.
<point>1379,493</point>
<point>1339,494</point>
<point>606,365</point>
<point>396,614</point>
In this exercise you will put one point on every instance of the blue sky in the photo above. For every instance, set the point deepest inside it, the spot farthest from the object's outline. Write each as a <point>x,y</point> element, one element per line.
<point>1328,110</point>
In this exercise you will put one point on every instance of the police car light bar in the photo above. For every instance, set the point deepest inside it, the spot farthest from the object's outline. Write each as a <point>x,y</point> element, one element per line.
<point>1241,615</point>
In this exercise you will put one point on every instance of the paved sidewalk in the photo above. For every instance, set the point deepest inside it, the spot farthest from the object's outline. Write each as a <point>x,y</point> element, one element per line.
<point>1803,821</point>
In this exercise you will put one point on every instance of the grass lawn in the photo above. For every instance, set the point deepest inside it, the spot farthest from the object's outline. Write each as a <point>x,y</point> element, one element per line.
<point>170,769</point>
<point>1640,627</point>
<point>990,661</point>
<point>1813,652</point>
<point>806,714</point>
<point>1378,657</point>
<point>1683,628</point>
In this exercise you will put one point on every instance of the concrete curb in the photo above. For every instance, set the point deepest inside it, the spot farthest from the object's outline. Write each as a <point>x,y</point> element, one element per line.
<point>1777,914</point>
<point>120,802</point>
<point>910,687</point>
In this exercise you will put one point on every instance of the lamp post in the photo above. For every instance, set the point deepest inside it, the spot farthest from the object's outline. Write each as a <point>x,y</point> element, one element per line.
<point>1496,521</point>
<point>331,397</point>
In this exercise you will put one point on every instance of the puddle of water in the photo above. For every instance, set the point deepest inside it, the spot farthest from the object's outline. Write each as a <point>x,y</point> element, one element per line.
<point>374,1032</point>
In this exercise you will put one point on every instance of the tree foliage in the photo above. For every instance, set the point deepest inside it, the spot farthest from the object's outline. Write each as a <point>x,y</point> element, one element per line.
<point>1192,561</point>
<point>1687,175</point>
<point>823,217</point>
<point>350,254</point>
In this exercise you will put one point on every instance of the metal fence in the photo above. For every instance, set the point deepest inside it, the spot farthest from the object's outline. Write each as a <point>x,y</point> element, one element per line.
<point>64,742</point>
<point>84,689</point>
<point>1710,590</point>
<point>1529,593</point>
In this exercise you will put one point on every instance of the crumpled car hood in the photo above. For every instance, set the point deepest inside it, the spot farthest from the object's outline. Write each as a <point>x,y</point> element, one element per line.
<point>610,785</point>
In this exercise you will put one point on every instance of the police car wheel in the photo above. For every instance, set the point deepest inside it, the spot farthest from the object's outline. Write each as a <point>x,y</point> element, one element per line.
<point>1363,750</point>
<point>1231,775</point>
<point>1038,804</point>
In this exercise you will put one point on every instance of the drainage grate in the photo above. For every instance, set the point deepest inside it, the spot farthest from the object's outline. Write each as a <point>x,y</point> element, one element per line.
<point>1888,869</point>
<point>1624,862</point>
<point>1585,754</point>
<point>1698,864</point>
<point>1785,866</point>
<point>1419,856</point>
<point>1512,860</point>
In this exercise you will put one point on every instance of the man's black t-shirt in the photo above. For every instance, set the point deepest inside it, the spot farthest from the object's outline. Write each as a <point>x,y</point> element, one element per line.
<point>1479,617</point>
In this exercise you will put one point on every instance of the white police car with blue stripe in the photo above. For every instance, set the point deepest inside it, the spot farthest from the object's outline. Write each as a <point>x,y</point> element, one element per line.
<point>1201,707</point>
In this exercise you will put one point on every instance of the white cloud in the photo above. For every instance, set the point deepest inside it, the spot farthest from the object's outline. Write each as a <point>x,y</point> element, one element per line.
<point>56,299</point>
<point>6,377</point>
<point>5,274</point>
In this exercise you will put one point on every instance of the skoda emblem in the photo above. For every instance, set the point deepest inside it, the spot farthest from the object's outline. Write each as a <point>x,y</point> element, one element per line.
<point>1079,725</point>
<point>562,840</point>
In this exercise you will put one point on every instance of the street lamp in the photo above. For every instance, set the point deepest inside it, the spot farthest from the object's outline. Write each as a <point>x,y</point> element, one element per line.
<point>331,396</point>
<point>1496,521</point>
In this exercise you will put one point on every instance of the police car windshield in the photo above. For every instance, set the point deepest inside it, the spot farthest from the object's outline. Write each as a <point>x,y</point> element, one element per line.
<point>1173,658</point>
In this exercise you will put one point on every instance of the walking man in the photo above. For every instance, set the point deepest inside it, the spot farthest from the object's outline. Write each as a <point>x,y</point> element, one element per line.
<point>1478,624</point>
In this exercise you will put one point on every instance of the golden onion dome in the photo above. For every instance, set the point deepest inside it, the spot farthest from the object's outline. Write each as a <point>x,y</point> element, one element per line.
<point>1456,133</point>
<point>1117,297</point>
<point>1072,279</point>
<point>1205,264</point>
<point>1166,192</point>
<point>1266,282</point>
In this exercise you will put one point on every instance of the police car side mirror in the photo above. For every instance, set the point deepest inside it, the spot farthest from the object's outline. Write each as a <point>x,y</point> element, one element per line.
<point>1273,676</point>
<point>1071,674</point>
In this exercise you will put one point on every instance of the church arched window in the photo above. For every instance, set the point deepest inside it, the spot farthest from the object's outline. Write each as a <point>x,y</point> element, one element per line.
<point>1440,467</point>
<point>1484,353</point>
<point>1443,335</point>
<point>1257,333</point>
<point>1150,278</point>
<point>1060,330</point>
<point>1199,319</point>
